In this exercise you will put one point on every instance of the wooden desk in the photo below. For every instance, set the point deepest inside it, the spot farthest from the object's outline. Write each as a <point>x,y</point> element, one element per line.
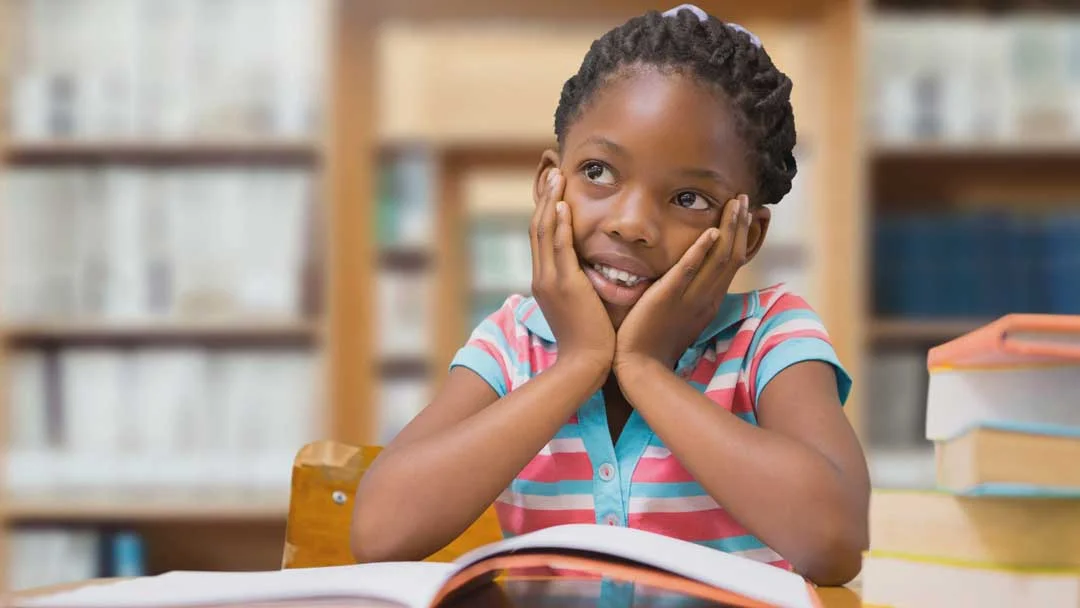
<point>546,593</point>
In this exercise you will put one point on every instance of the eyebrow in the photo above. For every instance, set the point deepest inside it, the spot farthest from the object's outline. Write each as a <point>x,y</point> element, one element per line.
<point>604,142</point>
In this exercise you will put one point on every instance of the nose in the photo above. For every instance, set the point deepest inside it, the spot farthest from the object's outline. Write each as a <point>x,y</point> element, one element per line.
<point>632,217</point>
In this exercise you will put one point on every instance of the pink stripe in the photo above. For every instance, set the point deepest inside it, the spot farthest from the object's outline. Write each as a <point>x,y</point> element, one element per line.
<point>770,343</point>
<point>691,526</point>
<point>740,344</point>
<point>786,301</point>
<point>557,467</point>
<point>517,520</point>
<point>493,350</point>
<point>704,371</point>
<point>661,470</point>
<point>541,358</point>
<point>735,400</point>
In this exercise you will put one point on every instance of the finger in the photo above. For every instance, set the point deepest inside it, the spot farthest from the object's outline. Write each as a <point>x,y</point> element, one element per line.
<point>689,265</point>
<point>742,235</point>
<point>716,261</point>
<point>565,257</point>
<point>535,227</point>
<point>545,233</point>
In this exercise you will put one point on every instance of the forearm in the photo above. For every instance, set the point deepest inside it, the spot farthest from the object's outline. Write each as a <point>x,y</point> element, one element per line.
<point>421,496</point>
<point>784,492</point>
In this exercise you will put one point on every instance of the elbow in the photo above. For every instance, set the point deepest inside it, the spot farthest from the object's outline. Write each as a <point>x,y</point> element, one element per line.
<point>370,538</point>
<point>836,559</point>
<point>374,532</point>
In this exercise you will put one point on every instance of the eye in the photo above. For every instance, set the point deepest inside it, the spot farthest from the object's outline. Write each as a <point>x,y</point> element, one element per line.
<point>691,200</point>
<point>596,172</point>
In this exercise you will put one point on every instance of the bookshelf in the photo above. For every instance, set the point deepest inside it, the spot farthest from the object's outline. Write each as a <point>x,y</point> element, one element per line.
<point>459,95</point>
<point>237,184</point>
<point>973,145</point>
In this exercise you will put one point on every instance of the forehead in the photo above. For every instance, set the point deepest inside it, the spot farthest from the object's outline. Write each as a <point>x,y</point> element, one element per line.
<point>660,114</point>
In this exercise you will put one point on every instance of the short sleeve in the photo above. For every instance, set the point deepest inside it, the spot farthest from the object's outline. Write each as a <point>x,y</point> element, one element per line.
<point>489,350</point>
<point>791,332</point>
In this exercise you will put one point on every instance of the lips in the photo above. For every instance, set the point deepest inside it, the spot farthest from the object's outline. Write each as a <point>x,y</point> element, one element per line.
<point>618,279</point>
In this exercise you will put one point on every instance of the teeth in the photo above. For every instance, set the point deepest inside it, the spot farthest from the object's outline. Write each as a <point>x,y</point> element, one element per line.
<point>619,276</point>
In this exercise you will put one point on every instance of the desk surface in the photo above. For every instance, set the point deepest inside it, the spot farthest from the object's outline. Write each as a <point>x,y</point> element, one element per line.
<point>548,593</point>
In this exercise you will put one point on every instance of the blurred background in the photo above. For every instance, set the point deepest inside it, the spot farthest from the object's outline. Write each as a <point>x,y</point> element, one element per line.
<point>230,227</point>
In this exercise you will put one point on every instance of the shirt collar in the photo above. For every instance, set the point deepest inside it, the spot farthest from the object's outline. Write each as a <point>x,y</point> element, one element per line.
<point>736,308</point>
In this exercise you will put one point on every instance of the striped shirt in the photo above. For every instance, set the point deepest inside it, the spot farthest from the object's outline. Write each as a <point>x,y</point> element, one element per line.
<point>581,476</point>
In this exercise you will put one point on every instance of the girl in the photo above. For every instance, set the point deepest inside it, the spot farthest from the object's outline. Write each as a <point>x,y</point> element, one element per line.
<point>632,389</point>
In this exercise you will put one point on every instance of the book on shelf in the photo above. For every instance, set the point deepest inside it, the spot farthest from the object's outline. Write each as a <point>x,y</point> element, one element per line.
<point>1021,371</point>
<point>1010,79</point>
<point>977,264</point>
<point>46,556</point>
<point>137,244</point>
<point>166,70</point>
<point>93,418</point>
<point>635,556</point>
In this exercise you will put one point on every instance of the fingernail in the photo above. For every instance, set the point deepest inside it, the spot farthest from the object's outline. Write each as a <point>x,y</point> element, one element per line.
<point>560,208</point>
<point>713,234</point>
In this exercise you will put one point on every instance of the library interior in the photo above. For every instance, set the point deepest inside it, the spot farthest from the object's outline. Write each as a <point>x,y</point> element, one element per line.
<point>162,367</point>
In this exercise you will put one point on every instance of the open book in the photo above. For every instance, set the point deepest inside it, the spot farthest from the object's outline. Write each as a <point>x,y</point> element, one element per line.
<point>617,553</point>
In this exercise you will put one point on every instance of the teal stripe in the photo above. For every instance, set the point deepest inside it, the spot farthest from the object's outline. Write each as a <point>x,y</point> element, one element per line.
<point>729,367</point>
<point>698,386</point>
<point>656,441</point>
<point>734,543</point>
<point>568,431</point>
<point>747,417</point>
<point>556,488</point>
<point>667,490</point>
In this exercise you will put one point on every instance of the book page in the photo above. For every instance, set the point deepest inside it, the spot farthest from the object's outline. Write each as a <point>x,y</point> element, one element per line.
<point>739,575</point>
<point>411,584</point>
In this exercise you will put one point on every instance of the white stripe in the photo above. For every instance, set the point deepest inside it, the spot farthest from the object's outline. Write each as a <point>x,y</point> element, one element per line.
<point>572,445</point>
<point>656,452</point>
<point>792,326</point>
<point>723,382</point>
<point>763,554</point>
<point>565,502</point>
<point>681,504</point>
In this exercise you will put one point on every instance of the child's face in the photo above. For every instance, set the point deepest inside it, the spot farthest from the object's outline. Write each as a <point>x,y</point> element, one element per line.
<point>649,165</point>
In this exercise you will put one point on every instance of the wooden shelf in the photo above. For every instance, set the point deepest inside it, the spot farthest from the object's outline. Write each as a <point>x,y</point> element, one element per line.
<point>74,506</point>
<point>1028,174</point>
<point>398,367</point>
<point>288,331</point>
<point>268,151</point>
<point>405,258</point>
<point>989,6</point>
<point>920,332</point>
<point>990,150</point>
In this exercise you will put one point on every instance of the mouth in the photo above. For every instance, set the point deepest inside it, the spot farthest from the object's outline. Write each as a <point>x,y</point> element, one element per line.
<point>619,277</point>
<point>620,282</point>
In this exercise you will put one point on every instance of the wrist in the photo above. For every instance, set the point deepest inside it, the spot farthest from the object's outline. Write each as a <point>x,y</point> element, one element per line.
<point>629,367</point>
<point>591,367</point>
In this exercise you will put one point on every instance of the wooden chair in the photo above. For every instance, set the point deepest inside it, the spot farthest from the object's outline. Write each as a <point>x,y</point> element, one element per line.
<point>324,479</point>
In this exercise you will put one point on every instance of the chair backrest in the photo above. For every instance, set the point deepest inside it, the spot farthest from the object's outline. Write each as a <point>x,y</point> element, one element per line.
<point>324,479</point>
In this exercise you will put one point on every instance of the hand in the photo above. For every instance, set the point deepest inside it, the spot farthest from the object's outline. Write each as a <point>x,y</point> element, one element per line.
<point>570,304</point>
<point>676,309</point>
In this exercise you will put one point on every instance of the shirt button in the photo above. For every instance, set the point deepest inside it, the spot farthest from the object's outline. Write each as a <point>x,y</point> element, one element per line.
<point>607,472</point>
<point>611,520</point>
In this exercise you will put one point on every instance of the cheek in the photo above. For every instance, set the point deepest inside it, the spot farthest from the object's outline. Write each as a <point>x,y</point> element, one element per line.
<point>680,242</point>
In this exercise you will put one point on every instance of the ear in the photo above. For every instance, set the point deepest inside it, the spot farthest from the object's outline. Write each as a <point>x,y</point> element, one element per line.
<point>548,160</point>
<point>759,225</point>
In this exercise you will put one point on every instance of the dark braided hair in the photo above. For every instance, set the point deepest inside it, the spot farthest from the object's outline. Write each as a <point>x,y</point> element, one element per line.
<point>718,55</point>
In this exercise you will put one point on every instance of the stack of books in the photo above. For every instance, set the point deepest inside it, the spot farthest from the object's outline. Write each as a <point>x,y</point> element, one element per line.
<point>1003,526</point>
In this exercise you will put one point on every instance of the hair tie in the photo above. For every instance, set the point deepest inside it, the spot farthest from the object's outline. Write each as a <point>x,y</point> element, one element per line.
<point>703,16</point>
